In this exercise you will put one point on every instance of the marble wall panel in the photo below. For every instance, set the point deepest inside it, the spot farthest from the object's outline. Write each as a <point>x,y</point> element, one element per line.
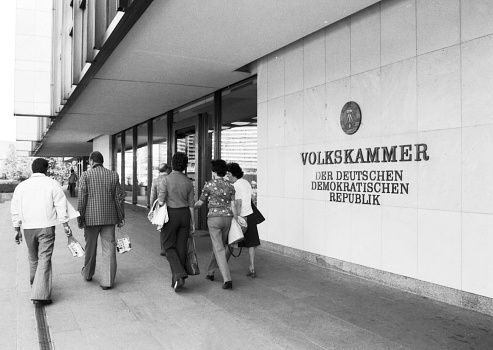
<point>477,169</point>
<point>44,23</point>
<point>365,90</point>
<point>477,245</point>
<point>276,224</point>
<point>24,47</point>
<point>263,125</point>
<point>263,206</point>
<point>400,241</point>
<point>338,50</point>
<point>337,93</point>
<point>293,129</point>
<point>366,235</point>
<point>438,24</point>
<point>439,247</point>
<point>293,176</point>
<point>439,178</point>
<point>476,19</point>
<point>24,85</point>
<point>276,170</point>
<point>309,173</point>
<point>398,91</point>
<point>263,172</point>
<point>42,49</point>
<point>275,111</point>
<point>25,22</point>
<point>398,30</point>
<point>293,229</point>
<point>314,60</point>
<point>439,89</point>
<point>293,67</point>
<point>477,81</point>
<point>262,79</point>
<point>314,226</point>
<point>338,230</point>
<point>275,84</point>
<point>365,40</point>
<point>41,92</point>
<point>408,187</point>
<point>314,115</point>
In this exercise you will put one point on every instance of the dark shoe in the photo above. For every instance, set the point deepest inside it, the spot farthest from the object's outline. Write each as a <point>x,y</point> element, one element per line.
<point>209,277</point>
<point>163,253</point>
<point>251,273</point>
<point>105,288</point>
<point>42,302</point>
<point>85,279</point>
<point>228,285</point>
<point>179,283</point>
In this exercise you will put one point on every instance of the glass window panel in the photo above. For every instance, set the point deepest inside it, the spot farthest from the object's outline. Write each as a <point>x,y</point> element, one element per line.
<point>142,157</point>
<point>159,144</point>
<point>129,164</point>
<point>118,159</point>
<point>239,129</point>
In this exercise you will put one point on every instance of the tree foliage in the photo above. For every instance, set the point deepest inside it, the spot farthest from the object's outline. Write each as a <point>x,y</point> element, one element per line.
<point>17,168</point>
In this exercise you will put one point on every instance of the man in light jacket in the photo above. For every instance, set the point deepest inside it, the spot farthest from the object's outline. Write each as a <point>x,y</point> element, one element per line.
<point>164,170</point>
<point>38,205</point>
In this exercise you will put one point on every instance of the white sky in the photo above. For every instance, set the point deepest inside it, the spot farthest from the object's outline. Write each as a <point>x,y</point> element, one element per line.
<point>7,60</point>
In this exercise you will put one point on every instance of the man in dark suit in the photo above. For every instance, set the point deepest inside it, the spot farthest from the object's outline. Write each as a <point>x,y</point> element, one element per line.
<point>100,204</point>
<point>164,170</point>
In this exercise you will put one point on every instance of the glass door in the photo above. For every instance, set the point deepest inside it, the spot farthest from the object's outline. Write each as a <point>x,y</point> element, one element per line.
<point>191,136</point>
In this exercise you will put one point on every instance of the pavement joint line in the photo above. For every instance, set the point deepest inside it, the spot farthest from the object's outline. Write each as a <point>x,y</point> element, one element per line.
<point>44,338</point>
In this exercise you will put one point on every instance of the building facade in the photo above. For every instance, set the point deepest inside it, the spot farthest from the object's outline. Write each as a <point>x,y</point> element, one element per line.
<point>365,136</point>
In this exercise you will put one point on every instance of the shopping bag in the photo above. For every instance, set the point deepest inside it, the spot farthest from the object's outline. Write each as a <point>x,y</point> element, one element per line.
<point>123,242</point>
<point>75,247</point>
<point>235,234</point>
<point>191,262</point>
<point>158,215</point>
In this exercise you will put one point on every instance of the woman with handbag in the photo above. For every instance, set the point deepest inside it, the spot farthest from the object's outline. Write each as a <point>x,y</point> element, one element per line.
<point>176,190</point>
<point>243,204</point>
<point>220,195</point>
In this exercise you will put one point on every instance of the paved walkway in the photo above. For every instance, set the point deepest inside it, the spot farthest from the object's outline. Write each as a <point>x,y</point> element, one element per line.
<point>291,305</point>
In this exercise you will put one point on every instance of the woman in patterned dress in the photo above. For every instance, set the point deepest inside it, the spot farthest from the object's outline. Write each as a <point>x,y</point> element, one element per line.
<point>220,195</point>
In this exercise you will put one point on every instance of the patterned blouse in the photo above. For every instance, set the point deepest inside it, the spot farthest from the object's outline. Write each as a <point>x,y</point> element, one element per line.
<point>220,193</point>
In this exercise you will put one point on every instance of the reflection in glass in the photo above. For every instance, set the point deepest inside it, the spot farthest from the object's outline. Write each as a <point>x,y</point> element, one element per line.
<point>118,160</point>
<point>159,144</point>
<point>129,165</point>
<point>239,129</point>
<point>142,156</point>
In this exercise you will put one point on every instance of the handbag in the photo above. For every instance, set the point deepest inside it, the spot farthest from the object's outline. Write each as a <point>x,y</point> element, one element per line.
<point>259,218</point>
<point>123,242</point>
<point>191,262</point>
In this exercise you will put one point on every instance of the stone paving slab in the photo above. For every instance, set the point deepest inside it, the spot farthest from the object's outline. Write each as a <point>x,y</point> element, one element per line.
<point>291,305</point>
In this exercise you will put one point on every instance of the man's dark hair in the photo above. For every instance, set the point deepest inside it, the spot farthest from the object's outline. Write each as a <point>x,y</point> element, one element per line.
<point>235,170</point>
<point>179,161</point>
<point>96,157</point>
<point>219,167</point>
<point>163,167</point>
<point>40,165</point>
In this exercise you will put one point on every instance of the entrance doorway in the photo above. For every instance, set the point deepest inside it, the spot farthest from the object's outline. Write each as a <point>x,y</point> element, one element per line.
<point>191,137</point>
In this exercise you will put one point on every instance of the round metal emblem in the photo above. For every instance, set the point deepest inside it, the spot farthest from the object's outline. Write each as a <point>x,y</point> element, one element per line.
<point>350,117</point>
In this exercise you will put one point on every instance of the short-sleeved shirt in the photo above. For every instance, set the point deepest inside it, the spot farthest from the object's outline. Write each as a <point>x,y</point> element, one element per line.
<point>244,192</point>
<point>219,193</point>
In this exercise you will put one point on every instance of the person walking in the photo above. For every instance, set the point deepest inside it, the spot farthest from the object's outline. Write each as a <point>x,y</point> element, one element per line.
<point>220,195</point>
<point>243,203</point>
<point>38,205</point>
<point>100,204</point>
<point>176,190</point>
<point>164,170</point>
<point>72,181</point>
